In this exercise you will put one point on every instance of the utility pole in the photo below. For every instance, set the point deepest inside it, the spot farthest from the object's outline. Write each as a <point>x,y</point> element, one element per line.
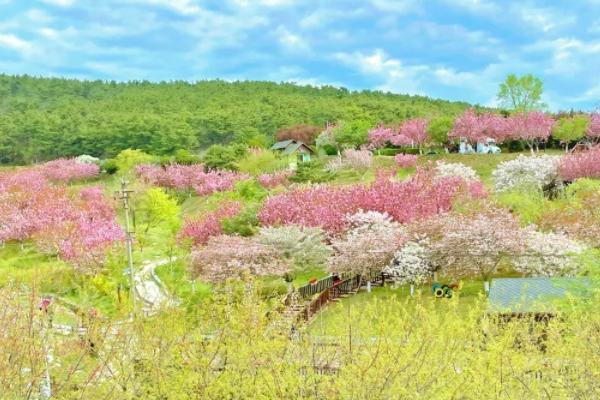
<point>124,195</point>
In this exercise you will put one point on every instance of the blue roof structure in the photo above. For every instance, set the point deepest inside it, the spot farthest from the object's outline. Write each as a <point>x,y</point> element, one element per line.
<point>533,295</point>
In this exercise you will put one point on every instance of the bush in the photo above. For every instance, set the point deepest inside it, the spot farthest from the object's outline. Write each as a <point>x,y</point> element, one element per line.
<point>261,161</point>
<point>311,171</point>
<point>329,149</point>
<point>220,156</point>
<point>109,166</point>
<point>127,159</point>
<point>244,224</point>
<point>540,172</point>
<point>392,151</point>
<point>185,157</point>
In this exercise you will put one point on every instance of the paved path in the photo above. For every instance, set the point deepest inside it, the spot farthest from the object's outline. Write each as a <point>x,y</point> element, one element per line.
<point>149,289</point>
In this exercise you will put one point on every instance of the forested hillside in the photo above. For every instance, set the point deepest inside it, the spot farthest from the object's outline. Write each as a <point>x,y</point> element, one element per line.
<point>42,119</point>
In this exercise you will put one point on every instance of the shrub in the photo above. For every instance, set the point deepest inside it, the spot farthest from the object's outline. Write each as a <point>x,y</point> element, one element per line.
<point>261,161</point>
<point>459,170</point>
<point>411,264</point>
<point>581,165</point>
<point>244,223</point>
<point>201,229</point>
<point>270,181</point>
<point>110,166</point>
<point>539,172</point>
<point>526,202</point>
<point>127,159</point>
<point>304,246</point>
<point>311,171</point>
<point>358,159</point>
<point>220,156</point>
<point>234,257</point>
<point>406,160</point>
<point>549,254</point>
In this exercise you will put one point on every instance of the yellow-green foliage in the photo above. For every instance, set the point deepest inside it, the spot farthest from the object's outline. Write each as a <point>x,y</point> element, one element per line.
<point>127,159</point>
<point>260,162</point>
<point>233,347</point>
<point>528,203</point>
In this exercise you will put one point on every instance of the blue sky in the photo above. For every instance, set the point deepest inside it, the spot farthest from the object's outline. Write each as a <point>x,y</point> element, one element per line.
<point>451,49</point>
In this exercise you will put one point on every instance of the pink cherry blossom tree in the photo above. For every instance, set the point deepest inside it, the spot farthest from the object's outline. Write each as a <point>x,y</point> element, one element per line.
<point>593,129</point>
<point>532,127</point>
<point>406,160</point>
<point>581,165</point>
<point>415,130</point>
<point>226,257</point>
<point>368,246</point>
<point>468,126</point>
<point>420,196</point>
<point>201,229</point>
<point>380,136</point>
<point>474,244</point>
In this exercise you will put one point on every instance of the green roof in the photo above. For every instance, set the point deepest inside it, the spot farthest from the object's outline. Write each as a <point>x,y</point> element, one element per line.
<point>282,145</point>
<point>290,146</point>
<point>532,295</point>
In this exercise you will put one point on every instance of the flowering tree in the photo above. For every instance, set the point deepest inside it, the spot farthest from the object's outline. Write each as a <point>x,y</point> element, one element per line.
<point>272,180</point>
<point>526,171</point>
<point>579,215</point>
<point>302,245</point>
<point>411,264</point>
<point>532,127</point>
<point>468,126</point>
<point>549,254</point>
<point>186,177</point>
<point>477,128</point>
<point>80,230</point>
<point>593,129</point>
<point>474,244</point>
<point>581,165</point>
<point>358,159</point>
<point>200,230</point>
<point>368,246</point>
<point>406,160</point>
<point>415,130</point>
<point>380,136</point>
<point>326,206</point>
<point>233,257</point>
<point>460,170</point>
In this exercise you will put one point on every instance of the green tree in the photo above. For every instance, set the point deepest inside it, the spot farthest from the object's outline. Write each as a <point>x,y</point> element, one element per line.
<point>569,129</point>
<point>156,209</point>
<point>127,159</point>
<point>224,157</point>
<point>353,133</point>
<point>439,128</point>
<point>521,93</point>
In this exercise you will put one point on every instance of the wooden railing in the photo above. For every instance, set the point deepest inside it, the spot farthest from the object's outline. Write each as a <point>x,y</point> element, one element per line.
<point>337,289</point>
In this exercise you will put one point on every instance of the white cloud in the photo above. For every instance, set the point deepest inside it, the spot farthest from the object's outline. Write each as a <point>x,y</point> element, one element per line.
<point>60,3</point>
<point>291,41</point>
<point>13,42</point>
<point>393,74</point>
<point>38,16</point>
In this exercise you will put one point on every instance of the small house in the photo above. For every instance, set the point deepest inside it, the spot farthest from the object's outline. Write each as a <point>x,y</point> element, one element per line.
<point>296,151</point>
<point>538,297</point>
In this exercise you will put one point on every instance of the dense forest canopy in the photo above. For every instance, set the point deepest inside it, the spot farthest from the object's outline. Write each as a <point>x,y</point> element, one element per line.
<point>43,118</point>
